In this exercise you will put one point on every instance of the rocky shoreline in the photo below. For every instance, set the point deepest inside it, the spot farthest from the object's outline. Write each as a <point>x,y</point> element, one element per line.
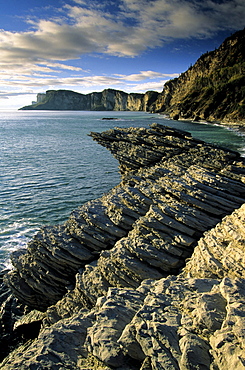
<point>111,287</point>
<point>237,126</point>
<point>212,89</point>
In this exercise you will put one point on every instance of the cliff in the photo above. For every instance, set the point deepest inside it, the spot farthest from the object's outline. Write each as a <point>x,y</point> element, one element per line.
<point>212,89</point>
<point>111,288</point>
<point>107,100</point>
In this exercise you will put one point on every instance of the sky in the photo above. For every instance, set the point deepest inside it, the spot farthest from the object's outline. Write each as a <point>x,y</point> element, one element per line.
<point>86,46</point>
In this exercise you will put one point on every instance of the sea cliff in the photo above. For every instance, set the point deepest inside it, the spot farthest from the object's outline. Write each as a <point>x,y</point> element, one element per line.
<point>107,100</point>
<point>212,89</point>
<point>149,276</point>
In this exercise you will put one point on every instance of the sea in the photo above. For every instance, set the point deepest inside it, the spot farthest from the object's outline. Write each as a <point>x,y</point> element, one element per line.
<point>50,166</point>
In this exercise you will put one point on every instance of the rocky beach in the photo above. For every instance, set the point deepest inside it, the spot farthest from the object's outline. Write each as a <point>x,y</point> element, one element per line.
<point>148,276</point>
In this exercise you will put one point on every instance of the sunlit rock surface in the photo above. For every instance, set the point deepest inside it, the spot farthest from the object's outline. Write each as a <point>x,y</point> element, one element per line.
<point>111,287</point>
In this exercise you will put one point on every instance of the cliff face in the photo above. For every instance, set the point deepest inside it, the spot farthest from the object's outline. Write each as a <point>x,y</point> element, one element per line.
<point>107,100</point>
<point>213,89</point>
<point>105,290</point>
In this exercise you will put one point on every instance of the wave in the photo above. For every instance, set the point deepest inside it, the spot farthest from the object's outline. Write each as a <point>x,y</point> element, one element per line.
<point>12,237</point>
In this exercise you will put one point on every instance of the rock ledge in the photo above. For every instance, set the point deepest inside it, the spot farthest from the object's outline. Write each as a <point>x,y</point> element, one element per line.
<point>111,287</point>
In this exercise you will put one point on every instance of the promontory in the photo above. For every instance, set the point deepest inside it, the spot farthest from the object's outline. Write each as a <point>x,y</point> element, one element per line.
<point>212,89</point>
<point>149,276</point>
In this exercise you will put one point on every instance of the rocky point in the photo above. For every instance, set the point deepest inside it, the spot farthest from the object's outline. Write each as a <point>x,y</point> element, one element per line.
<point>149,276</point>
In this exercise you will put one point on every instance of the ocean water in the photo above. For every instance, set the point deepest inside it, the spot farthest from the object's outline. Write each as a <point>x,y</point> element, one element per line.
<point>49,165</point>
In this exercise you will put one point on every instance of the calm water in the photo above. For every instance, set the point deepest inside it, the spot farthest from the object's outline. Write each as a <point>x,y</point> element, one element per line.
<point>49,165</point>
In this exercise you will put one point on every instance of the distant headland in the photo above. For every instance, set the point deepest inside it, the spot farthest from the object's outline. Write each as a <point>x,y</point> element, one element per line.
<point>107,100</point>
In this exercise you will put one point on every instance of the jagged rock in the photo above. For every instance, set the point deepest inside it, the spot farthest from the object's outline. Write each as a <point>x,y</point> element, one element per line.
<point>177,322</point>
<point>145,227</point>
<point>113,313</point>
<point>221,253</point>
<point>106,278</point>
<point>11,311</point>
<point>57,347</point>
<point>52,256</point>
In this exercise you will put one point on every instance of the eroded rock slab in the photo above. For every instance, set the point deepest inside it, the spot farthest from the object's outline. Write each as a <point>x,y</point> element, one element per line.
<point>174,188</point>
<point>177,194</point>
<point>176,322</point>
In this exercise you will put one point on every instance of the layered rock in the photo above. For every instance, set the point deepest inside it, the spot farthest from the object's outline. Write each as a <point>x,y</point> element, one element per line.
<point>109,279</point>
<point>177,322</point>
<point>174,188</point>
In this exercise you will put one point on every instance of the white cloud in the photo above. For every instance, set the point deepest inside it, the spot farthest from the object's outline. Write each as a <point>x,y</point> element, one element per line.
<point>147,86</point>
<point>87,81</point>
<point>60,66</point>
<point>143,75</point>
<point>137,26</point>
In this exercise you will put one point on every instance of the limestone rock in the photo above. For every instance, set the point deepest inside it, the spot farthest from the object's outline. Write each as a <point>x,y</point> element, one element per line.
<point>57,347</point>
<point>221,251</point>
<point>144,228</point>
<point>107,100</point>
<point>110,288</point>
<point>167,323</point>
<point>113,313</point>
<point>228,343</point>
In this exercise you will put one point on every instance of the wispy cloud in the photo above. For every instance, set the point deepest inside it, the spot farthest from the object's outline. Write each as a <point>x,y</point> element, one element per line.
<point>143,75</point>
<point>8,94</point>
<point>88,81</point>
<point>60,66</point>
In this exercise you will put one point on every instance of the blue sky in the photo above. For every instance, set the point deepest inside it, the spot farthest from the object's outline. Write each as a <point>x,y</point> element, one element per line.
<point>85,46</point>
